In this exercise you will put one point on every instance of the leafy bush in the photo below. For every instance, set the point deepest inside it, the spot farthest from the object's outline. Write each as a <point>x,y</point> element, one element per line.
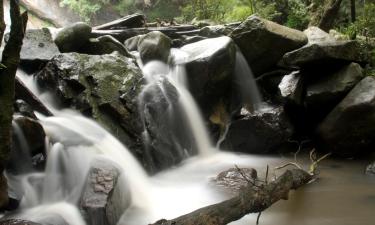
<point>298,17</point>
<point>85,8</point>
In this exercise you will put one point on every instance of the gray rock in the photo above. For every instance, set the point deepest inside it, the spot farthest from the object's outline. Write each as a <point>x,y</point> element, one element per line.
<point>292,88</point>
<point>264,43</point>
<point>325,54</point>
<point>260,132</point>
<point>21,107</point>
<point>107,88</point>
<point>104,45</point>
<point>330,89</point>
<point>72,38</point>
<point>28,140</point>
<point>37,48</point>
<point>370,169</point>
<point>103,87</point>
<point>169,137</point>
<point>210,65</point>
<point>217,30</point>
<point>132,43</point>
<point>104,200</point>
<point>235,179</point>
<point>317,35</point>
<point>349,128</point>
<point>154,46</point>
<point>33,132</point>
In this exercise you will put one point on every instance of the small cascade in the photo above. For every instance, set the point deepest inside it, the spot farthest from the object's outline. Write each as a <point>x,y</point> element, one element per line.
<point>183,116</point>
<point>244,82</point>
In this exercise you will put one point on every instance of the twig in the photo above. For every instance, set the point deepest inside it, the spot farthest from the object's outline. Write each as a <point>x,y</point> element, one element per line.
<point>315,163</point>
<point>289,164</point>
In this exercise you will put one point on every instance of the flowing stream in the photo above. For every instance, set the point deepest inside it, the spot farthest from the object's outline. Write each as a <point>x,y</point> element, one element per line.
<point>343,194</point>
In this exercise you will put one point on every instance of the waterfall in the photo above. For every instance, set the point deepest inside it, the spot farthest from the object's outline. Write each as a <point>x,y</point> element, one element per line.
<point>74,142</point>
<point>190,122</point>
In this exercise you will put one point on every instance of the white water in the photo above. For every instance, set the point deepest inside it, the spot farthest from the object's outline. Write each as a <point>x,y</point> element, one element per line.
<point>245,83</point>
<point>155,72</point>
<point>181,189</point>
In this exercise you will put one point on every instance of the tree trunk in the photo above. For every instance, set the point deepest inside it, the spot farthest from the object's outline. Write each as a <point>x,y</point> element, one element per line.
<point>251,199</point>
<point>353,10</point>
<point>2,23</point>
<point>10,61</point>
<point>329,15</point>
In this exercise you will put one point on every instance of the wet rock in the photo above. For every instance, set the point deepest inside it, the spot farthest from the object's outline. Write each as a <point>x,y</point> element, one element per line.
<point>132,43</point>
<point>103,45</point>
<point>4,200</point>
<point>21,107</point>
<point>268,84</point>
<point>103,87</point>
<point>327,91</point>
<point>33,132</point>
<point>17,222</point>
<point>254,37</point>
<point>104,197</point>
<point>348,129</point>
<point>72,38</point>
<point>154,46</point>
<point>292,88</point>
<point>370,169</point>
<point>235,179</point>
<point>325,54</point>
<point>260,132</point>
<point>167,138</point>
<point>37,49</point>
<point>28,141</point>
<point>210,66</point>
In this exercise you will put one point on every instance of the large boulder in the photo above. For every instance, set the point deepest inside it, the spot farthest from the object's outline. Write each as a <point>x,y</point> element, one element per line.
<point>262,131</point>
<point>329,89</point>
<point>107,89</point>
<point>104,200</point>
<point>37,48</point>
<point>349,129</point>
<point>210,66</point>
<point>264,42</point>
<point>154,46</point>
<point>73,37</point>
<point>131,44</point>
<point>104,87</point>
<point>168,134</point>
<point>326,53</point>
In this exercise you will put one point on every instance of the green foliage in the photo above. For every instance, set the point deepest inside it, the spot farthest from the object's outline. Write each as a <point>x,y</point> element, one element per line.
<point>85,8</point>
<point>239,13</point>
<point>165,9</point>
<point>125,7</point>
<point>364,25</point>
<point>215,10</point>
<point>298,17</point>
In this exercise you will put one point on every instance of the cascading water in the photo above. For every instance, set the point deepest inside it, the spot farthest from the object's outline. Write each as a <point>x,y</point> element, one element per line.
<point>190,122</point>
<point>76,141</point>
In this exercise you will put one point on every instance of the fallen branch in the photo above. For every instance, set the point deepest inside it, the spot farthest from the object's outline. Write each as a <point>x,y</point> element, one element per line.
<point>251,199</point>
